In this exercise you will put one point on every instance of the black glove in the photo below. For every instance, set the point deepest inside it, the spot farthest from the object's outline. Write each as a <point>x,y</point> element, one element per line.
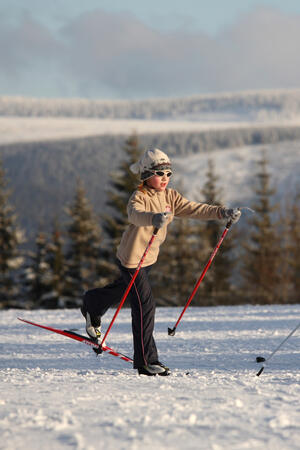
<point>159,219</point>
<point>232,214</point>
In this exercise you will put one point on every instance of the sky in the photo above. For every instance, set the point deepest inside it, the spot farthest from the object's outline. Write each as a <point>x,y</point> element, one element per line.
<point>129,49</point>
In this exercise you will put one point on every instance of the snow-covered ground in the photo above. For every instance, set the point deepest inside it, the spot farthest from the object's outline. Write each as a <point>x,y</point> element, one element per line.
<point>34,129</point>
<point>56,394</point>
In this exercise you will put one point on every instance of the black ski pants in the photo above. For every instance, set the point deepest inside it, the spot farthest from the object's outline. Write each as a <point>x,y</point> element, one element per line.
<point>97,301</point>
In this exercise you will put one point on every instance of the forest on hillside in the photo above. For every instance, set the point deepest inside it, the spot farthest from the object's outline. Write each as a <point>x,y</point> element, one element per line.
<point>253,104</point>
<point>258,263</point>
<point>51,168</point>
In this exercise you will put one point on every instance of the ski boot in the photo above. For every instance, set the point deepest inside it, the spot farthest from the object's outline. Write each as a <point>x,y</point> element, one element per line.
<point>153,369</point>
<point>166,369</point>
<point>92,326</point>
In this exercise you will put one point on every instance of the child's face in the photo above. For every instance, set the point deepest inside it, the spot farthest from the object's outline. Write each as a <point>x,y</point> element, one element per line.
<point>159,183</point>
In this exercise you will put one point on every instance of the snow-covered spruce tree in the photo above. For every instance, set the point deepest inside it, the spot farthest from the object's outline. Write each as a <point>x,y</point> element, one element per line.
<point>261,261</point>
<point>123,183</point>
<point>294,236</point>
<point>10,255</point>
<point>216,286</point>
<point>175,272</point>
<point>284,226</point>
<point>56,260</point>
<point>86,267</point>
<point>37,276</point>
<point>288,229</point>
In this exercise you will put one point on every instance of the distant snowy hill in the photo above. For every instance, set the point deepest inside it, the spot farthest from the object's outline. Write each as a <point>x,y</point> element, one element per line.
<point>245,106</point>
<point>41,129</point>
<point>56,394</point>
<point>32,119</point>
<point>236,170</point>
<point>46,145</point>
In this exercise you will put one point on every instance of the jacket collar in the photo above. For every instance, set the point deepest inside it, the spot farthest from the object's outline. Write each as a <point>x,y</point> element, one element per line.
<point>151,192</point>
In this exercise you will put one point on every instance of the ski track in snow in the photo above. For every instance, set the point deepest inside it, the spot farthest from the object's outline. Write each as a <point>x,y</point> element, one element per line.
<point>55,393</point>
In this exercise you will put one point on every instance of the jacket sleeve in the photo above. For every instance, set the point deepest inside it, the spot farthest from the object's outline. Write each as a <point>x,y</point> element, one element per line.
<point>186,208</point>
<point>136,209</point>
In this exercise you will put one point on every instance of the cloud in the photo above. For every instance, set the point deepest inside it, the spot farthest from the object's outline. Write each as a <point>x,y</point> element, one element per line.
<point>121,52</point>
<point>263,48</point>
<point>99,54</point>
<point>25,45</point>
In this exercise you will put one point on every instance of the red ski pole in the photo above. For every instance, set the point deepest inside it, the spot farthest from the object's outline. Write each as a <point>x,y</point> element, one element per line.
<point>171,331</point>
<point>125,295</point>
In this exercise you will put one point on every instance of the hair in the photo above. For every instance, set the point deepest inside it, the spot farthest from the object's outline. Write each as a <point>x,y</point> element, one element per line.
<point>142,185</point>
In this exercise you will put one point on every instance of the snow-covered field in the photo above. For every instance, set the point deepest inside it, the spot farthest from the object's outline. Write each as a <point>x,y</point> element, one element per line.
<point>34,129</point>
<point>56,394</point>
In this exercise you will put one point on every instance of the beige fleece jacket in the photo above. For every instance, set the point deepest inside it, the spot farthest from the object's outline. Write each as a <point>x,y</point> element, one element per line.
<point>142,205</point>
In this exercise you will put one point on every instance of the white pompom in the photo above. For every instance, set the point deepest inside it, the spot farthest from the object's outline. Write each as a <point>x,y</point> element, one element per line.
<point>135,168</point>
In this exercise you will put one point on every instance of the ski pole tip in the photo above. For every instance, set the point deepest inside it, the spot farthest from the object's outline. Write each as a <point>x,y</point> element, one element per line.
<point>98,350</point>
<point>260,371</point>
<point>171,331</point>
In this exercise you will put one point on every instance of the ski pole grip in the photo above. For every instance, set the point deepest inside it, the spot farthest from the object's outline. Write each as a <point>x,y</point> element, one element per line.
<point>155,231</point>
<point>228,224</point>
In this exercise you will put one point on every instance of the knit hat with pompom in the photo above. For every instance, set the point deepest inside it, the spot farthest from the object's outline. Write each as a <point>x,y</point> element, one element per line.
<point>152,159</point>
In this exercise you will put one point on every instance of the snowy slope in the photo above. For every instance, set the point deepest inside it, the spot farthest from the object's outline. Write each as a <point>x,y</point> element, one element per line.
<point>237,168</point>
<point>35,129</point>
<point>56,394</point>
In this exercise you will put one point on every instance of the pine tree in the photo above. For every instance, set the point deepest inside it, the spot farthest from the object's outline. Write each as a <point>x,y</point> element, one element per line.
<point>37,275</point>
<point>288,231</point>
<point>56,260</point>
<point>262,254</point>
<point>10,256</point>
<point>84,258</point>
<point>216,286</point>
<point>123,183</point>
<point>283,231</point>
<point>295,248</point>
<point>174,273</point>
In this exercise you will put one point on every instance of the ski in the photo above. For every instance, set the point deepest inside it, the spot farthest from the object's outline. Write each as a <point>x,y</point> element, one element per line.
<point>85,340</point>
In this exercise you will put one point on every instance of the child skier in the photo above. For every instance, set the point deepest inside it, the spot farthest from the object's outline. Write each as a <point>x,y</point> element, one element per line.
<point>151,205</point>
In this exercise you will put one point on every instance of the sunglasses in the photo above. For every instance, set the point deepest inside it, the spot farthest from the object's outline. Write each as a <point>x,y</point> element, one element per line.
<point>161,173</point>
